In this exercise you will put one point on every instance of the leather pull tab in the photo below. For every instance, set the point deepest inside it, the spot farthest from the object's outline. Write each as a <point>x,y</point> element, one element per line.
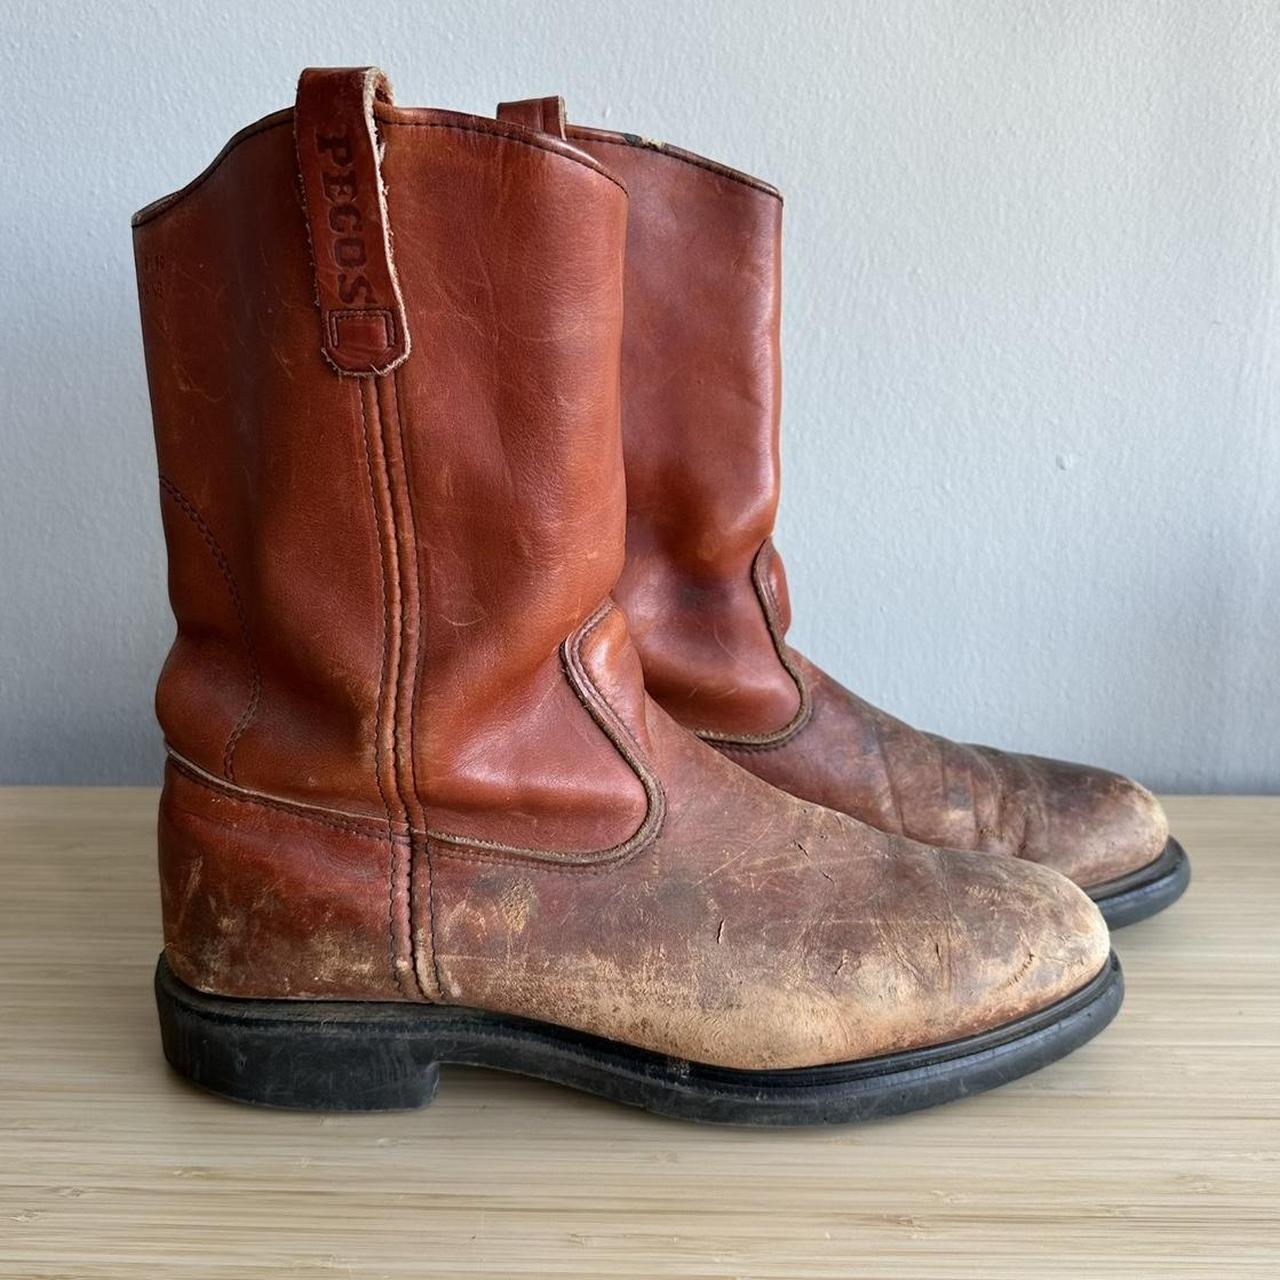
<point>339,159</point>
<point>546,115</point>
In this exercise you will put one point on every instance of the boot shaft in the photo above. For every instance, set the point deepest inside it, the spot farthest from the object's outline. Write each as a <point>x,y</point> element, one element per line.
<point>382,346</point>
<point>704,591</point>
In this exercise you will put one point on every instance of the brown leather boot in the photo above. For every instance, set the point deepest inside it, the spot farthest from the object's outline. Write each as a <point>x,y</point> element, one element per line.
<point>417,806</point>
<point>704,590</point>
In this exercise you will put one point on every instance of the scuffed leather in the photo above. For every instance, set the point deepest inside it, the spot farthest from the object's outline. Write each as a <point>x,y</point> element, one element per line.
<point>412,753</point>
<point>700,420</point>
<point>1085,823</point>
<point>764,932</point>
<point>263,900</point>
<point>758,931</point>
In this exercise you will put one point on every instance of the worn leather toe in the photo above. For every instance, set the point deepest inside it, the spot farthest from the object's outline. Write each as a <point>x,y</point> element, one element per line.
<point>768,933</point>
<point>1087,823</point>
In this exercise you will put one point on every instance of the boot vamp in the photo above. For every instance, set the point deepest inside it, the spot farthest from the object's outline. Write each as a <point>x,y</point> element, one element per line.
<point>1086,823</point>
<point>760,931</point>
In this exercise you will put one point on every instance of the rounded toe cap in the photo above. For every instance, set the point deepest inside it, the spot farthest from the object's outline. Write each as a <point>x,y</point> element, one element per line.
<point>959,943</point>
<point>1021,937</point>
<point>1097,826</point>
<point>1091,825</point>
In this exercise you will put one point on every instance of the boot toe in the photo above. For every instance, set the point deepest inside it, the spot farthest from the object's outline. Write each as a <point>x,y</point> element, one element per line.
<point>1089,824</point>
<point>982,942</point>
<point>916,947</point>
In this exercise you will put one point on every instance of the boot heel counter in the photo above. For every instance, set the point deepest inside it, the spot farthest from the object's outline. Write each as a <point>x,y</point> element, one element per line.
<point>261,901</point>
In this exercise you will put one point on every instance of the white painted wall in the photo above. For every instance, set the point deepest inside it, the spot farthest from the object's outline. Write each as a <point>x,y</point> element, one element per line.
<point>1032,429</point>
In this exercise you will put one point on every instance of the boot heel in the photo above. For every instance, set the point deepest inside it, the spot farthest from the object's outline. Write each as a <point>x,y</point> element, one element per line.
<point>302,1055</point>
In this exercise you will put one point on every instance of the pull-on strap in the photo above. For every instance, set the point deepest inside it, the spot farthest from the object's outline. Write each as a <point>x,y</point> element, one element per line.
<point>544,114</point>
<point>339,160</point>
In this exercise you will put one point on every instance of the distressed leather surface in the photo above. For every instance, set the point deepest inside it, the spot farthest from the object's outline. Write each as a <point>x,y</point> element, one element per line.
<point>412,756</point>
<point>761,931</point>
<point>706,593</point>
<point>756,931</point>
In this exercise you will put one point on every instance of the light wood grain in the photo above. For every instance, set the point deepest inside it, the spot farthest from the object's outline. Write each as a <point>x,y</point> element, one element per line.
<point>1155,1151</point>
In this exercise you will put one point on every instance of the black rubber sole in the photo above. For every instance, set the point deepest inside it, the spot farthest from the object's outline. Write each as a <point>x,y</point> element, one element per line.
<point>1142,893</point>
<point>329,1056</point>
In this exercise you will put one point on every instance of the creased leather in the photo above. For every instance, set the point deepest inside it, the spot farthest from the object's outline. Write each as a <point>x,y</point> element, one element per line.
<point>482,476</point>
<point>700,418</point>
<point>452,785</point>
<point>764,932</point>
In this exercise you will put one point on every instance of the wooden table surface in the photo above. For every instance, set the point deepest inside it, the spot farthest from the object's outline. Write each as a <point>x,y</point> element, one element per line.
<point>1154,1151</point>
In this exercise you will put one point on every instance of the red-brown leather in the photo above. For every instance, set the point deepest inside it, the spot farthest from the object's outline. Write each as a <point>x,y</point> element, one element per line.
<point>543,114</point>
<point>361,311</point>
<point>1086,823</point>
<point>700,419</point>
<point>704,590</point>
<point>483,475</point>
<point>411,752</point>
<point>757,931</point>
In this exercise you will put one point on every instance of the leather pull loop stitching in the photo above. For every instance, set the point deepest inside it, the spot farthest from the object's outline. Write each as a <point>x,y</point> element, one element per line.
<point>363,327</point>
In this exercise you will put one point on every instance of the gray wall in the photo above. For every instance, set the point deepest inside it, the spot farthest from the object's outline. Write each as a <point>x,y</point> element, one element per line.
<point>1032,451</point>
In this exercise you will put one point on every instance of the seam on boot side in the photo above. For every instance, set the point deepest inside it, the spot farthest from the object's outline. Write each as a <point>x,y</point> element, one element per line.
<point>407,804</point>
<point>608,720</point>
<point>475,848</point>
<point>769,607</point>
<point>375,828</point>
<point>188,509</point>
<point>392,852</point>
<point>428,983</point>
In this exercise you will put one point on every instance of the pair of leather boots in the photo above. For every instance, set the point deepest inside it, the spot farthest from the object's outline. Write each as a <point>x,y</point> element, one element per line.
<point>485,744</point>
